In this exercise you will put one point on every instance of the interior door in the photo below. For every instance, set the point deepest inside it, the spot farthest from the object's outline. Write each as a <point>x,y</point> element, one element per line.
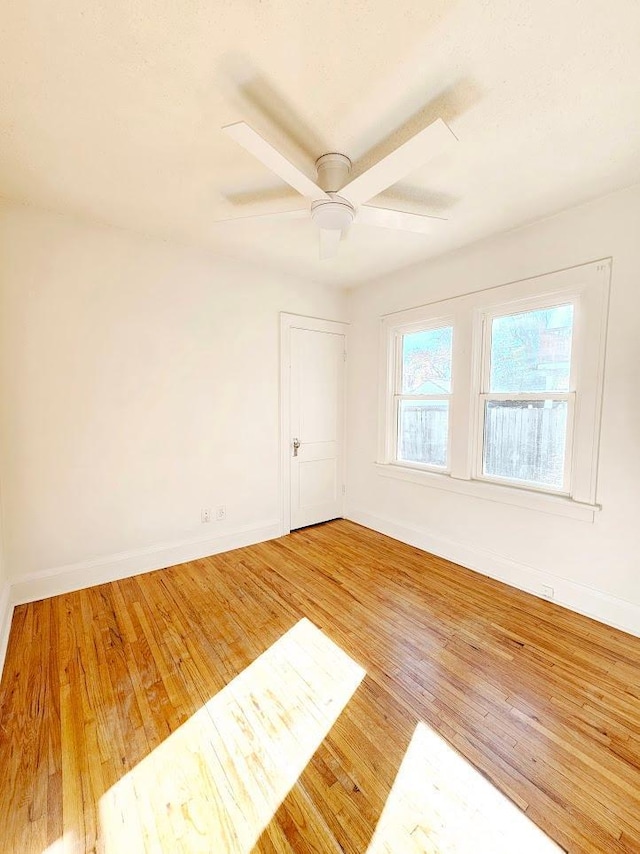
<point>317,426</point>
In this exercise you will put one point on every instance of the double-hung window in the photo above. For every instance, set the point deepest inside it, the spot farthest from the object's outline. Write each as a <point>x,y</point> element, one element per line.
<point>527,397</point>
<point>497,393</point>
<point>423,392</point>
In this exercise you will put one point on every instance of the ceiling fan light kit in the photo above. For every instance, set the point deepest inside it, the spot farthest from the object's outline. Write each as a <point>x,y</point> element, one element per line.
<point>333,213</point>
<point>337,202</point>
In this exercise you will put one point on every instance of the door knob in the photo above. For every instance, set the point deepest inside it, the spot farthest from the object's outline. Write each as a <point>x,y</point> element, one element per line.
<point>296,445</point>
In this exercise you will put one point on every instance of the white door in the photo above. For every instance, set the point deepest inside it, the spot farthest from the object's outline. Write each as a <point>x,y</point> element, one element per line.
<point>316,447</point>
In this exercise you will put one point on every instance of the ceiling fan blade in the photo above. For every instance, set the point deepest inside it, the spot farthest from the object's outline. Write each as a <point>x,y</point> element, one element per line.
<point>261,149</point>
<point>408,157</point>
<point>303,213</point>
<point>400,220</point>
<point>329,241</point>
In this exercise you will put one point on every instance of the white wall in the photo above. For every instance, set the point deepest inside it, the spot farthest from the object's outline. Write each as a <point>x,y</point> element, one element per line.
<point>139,383</point>
<point>593,566</point>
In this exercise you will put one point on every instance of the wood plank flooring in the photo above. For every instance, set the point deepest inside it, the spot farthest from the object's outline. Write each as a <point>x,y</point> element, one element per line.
<point>286,696</point>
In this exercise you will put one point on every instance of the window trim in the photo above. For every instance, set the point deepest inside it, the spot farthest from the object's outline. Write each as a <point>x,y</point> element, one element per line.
<point>586,285</point>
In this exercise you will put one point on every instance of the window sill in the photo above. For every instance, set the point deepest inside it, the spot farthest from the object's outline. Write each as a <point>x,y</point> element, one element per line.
<point>556,505</point>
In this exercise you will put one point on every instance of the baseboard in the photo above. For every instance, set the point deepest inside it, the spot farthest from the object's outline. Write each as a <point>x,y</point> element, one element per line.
<point>77,576</point>
<point>6,612</point>
<point>601,606</point>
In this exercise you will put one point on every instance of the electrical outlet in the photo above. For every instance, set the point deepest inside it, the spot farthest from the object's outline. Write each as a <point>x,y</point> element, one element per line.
<point>205,514</point>
<point>547,591</point>
<point>221,513</point>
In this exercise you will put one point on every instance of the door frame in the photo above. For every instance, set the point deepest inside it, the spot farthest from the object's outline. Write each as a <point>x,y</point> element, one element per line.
<point>313,324</point>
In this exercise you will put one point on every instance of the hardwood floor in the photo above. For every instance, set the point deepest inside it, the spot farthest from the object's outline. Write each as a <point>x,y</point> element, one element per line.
<point>285,696</point>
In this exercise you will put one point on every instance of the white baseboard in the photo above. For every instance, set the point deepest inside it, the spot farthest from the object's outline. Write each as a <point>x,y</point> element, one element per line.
<point>603,607</point>
<point>6,613</point>
<point>77,576</point>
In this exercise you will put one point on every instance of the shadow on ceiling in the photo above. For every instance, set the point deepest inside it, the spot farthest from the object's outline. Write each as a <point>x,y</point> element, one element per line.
<point>265,107</point>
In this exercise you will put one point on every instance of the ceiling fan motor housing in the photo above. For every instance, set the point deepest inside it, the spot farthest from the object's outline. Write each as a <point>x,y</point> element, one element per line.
<point>333,170</point>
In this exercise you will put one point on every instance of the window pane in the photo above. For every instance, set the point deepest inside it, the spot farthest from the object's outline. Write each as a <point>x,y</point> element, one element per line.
<point>532,351</point>
<point>525,440</point>
<point>423,431</point>
<point>426,361</point>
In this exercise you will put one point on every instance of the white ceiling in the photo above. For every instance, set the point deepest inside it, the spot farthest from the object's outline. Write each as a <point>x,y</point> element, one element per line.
<point>111,111</point>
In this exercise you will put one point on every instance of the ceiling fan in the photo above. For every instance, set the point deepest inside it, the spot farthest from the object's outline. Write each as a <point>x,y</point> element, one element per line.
<point>336,201</point>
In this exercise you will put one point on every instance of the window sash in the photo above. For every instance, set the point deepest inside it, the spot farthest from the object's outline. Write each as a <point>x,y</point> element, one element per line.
<point>538,303</point>
<point>524,396</point>
<point>398,398</point>
<point>480,474</point>
<point>409,329</point>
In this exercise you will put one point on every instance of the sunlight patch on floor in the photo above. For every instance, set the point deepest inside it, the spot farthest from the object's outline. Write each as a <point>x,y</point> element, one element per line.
<point>440,804</point>
<point>223,774</point>
<point>67,843</point>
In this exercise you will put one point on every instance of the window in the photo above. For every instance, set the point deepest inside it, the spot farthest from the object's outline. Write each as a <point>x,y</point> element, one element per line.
<point>422,397</point>
<point>527,397</point>
<point>498,393</point>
